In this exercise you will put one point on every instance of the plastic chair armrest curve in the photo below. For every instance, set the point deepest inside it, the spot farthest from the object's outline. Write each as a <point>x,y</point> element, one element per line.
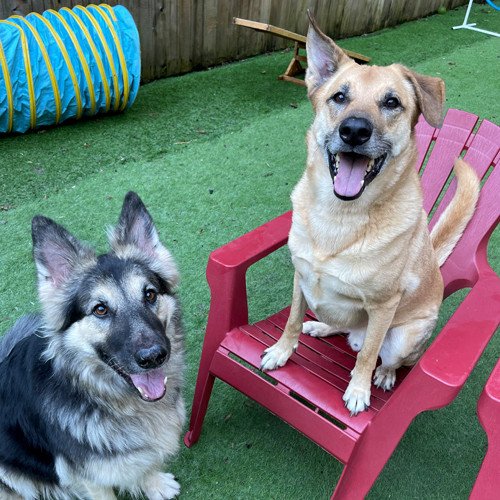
<point>456,350</point>
<point>226,272</point>
<point>254,245</point>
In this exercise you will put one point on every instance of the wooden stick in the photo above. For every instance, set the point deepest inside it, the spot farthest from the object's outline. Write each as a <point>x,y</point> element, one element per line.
<point>269,28</point>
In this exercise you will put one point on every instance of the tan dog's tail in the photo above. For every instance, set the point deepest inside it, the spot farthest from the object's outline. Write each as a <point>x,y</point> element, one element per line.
<point>453,221</point>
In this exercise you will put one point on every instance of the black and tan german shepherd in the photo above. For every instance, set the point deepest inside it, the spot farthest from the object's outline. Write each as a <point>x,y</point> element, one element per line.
<point>90,389</point>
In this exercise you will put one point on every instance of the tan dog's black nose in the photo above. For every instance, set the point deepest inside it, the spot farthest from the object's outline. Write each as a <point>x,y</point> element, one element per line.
<point>355,131</point>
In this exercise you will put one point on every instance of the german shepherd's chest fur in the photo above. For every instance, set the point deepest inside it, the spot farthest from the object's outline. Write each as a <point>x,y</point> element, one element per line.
<point>72,426</point>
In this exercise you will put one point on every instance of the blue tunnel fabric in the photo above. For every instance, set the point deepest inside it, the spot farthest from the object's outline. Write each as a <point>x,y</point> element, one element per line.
<point>67,64</point>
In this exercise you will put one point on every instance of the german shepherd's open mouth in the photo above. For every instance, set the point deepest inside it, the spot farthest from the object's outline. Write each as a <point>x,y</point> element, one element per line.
<point>150,385</point>
<point>351,172</point>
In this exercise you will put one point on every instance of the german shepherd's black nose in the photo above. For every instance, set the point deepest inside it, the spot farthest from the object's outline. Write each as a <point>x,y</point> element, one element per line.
<point>355,131</point>
<point>152,357</point>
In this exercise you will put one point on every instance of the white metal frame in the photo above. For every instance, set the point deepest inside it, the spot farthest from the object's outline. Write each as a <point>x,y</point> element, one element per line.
<point>472,26</point>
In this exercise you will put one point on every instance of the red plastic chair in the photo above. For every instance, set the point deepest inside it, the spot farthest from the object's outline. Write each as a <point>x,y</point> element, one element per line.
<point>487,484</point>
<point>307,391</point>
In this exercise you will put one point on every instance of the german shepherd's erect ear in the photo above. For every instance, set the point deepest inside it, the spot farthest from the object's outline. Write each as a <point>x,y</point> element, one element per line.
<point>60,259</point>
<point>136,235</point>
<point>57,253</point>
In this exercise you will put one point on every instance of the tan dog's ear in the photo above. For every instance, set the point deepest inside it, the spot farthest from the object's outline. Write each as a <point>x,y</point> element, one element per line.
<point>324,57</point>
<point>430,94</point>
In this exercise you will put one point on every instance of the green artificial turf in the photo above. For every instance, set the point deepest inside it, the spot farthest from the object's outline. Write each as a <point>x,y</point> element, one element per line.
<point>213,155</point>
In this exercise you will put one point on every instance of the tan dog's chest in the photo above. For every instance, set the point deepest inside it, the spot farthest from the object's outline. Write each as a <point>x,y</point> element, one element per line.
<point>344,266</point>
<point>338,287</point>
<point>334,301</point>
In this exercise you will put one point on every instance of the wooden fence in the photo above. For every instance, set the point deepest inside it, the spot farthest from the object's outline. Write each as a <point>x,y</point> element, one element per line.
<point>178,36</point>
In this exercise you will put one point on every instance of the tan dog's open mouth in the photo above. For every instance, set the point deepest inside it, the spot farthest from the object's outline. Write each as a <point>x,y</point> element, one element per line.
<point>352,172</point>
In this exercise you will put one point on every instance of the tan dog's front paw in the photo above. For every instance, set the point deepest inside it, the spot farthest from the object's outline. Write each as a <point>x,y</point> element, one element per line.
<point>357,398</point>
<point>276,355</point>
<point>161,486</point>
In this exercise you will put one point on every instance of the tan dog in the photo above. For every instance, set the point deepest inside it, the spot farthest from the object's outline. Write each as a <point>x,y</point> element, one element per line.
<point>364,261</point>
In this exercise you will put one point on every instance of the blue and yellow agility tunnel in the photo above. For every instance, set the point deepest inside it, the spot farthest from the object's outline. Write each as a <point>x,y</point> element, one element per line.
<point>67,64</point>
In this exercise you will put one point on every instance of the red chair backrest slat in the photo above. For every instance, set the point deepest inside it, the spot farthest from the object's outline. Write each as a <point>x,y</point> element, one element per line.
<point>482,151</point>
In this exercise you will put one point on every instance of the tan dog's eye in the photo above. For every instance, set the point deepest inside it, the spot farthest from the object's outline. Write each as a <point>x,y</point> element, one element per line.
<point>339,97</point>
<point>391,102</point>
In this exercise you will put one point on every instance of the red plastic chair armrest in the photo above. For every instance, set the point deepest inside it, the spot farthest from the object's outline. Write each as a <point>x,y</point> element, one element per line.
<point>492,387</point>
<point>226,272</point>
<point>456,350</point>
<point>255,245</point>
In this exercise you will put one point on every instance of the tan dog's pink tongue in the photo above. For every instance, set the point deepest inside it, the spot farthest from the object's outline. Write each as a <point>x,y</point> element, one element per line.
<point>351,173</point>
<point>151,383</point>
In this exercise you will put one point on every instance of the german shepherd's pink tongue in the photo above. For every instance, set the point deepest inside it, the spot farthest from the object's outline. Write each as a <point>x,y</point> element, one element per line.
<point>151,385</point>
<point>349,180</point>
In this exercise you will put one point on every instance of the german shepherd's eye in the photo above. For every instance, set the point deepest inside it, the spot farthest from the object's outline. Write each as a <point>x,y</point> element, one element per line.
<point>150,295</point>
<point>100,310</point>
<point>392,102</point>
<point>339,97</point>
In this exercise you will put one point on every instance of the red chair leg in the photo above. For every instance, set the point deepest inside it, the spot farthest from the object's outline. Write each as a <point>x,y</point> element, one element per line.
<point>226,275</point>
<point>379,440</point>
<point>487,484</point>
<point>202,394</point>
<point>371,453</point>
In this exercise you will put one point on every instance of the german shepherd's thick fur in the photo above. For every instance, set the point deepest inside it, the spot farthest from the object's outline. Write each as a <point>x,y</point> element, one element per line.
<point>364,260</point>
<point>91,389</point>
